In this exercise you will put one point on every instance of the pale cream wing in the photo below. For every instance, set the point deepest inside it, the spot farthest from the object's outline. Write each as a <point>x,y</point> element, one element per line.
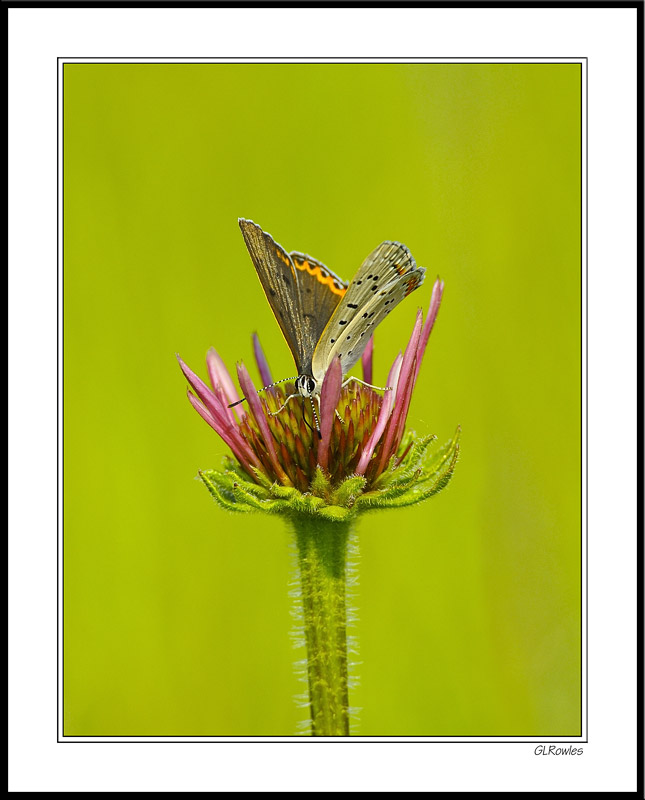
<point>347,338</point>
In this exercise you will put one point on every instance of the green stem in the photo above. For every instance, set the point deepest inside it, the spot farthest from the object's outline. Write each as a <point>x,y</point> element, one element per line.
<point>322,556</point>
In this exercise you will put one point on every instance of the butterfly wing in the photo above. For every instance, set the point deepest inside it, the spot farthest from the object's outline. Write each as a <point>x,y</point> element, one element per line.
<point>320,291</point>
<point>387,276</point>
<point>279,280</point>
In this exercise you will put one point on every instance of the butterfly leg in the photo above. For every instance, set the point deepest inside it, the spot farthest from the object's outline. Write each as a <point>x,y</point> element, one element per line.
<point>284,405</point>
<point>369,385</point>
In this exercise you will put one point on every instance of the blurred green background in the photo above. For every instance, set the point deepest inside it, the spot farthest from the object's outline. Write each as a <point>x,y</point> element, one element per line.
<point>177,614</point>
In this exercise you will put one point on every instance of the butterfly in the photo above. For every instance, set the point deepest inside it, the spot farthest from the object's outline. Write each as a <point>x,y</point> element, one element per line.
<point>322,316</point>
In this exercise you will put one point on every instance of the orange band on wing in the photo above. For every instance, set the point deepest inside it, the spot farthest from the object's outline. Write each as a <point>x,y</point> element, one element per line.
<point>326,280</point>
<point>412,284</point>
<point>282,257</point>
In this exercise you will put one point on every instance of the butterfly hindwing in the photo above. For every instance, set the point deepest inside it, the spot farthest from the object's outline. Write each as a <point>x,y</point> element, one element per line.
<point>278,277</point>
<point>320,291</point>
<point>386,276</point>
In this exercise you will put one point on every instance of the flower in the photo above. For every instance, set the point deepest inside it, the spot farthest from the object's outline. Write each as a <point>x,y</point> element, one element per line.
<point>362,458</point>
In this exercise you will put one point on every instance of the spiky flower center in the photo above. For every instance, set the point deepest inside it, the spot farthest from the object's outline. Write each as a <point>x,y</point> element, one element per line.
<point>296,440</point>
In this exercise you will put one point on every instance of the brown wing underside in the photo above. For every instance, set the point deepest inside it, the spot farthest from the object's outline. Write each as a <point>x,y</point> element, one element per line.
<point>301,291</point>
<point>278,277</point>
<point>320,292</point>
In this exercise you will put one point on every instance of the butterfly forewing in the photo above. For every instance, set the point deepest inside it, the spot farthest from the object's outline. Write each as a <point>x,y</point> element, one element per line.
<point>386,276</point>
<point>278,277</point>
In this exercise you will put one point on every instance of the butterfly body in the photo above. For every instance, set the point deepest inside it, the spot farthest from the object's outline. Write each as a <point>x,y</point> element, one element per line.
<point>308,386</point>
<point>322,316</point>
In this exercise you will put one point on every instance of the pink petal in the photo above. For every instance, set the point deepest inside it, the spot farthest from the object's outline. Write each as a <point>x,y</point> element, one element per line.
<point>383,416</point>
<point>230,441</point>
<point>366,360</point>
<point>203,412</point>
<point>329,397</point>
<point>435,302</point>
<point>260,360</point>
<point>223,400</point>
<point>403,393</point>
<point>258,413</point>
<point>219,377</point>
<point>213,401</point>
<point>399,423</point>
<point>206,394</point>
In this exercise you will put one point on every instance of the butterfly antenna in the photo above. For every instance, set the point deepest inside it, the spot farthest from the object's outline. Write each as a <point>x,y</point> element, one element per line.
<point>313,409</point>
<point>263,389</point>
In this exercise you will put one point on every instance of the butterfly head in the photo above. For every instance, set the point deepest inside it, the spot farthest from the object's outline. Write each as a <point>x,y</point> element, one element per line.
<point>306,386</point>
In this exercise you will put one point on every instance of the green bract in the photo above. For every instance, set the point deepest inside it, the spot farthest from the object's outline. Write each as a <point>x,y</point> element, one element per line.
<point>423,472</point>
